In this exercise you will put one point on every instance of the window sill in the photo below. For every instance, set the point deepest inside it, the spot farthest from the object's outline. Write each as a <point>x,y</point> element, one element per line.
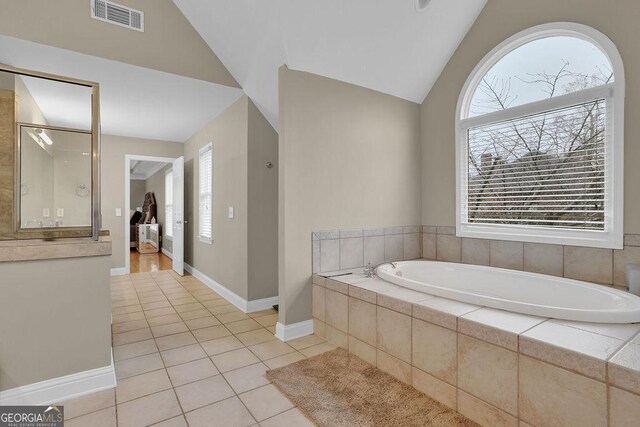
<point>592,239</point>
<point>206,240</point>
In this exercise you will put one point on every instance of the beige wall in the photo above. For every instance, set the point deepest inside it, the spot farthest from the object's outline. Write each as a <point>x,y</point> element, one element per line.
<point>40,344</point>
<point>348,157</point>
<point>225,261</point>
<point>169,42</point>
<point>263,207</point>
<point>155,183</point>
<point>499,20</point>
<point>243,255</point>
<point>137,190</point>
<point>114,149</point>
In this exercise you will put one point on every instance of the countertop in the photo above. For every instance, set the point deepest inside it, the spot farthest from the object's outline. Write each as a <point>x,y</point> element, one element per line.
<point>37,249</point>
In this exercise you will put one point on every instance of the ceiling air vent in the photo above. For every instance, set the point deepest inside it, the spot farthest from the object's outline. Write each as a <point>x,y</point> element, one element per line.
<point>117,14</point>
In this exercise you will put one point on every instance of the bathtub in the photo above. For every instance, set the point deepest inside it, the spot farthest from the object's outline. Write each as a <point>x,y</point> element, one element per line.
<point>516,291</point>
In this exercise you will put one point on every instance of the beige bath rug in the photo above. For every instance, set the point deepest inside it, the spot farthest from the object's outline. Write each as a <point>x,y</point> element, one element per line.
<point>339,389</point>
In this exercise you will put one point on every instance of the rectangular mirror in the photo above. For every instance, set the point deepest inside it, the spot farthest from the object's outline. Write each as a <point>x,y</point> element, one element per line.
<point>55,177</point>
<point>49,132</point>
<point>148,238</point>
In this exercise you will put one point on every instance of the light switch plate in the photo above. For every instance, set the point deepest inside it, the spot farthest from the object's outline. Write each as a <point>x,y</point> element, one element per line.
<point>118,212</point>
<point>230,212</point>
<point>45,213</point>
<point>60,213</point>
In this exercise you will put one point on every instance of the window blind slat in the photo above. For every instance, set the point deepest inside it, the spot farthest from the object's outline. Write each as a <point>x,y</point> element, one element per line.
<point>526,221</point>
<point>559,191</point>
<point>556,177</point>
<point>538,197</point>
<point>559,181</point>
<point>577,166</point>
<point>555,206</point>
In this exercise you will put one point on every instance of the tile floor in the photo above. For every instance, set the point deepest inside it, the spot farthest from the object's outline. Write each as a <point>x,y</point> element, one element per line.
<point>185,356</point>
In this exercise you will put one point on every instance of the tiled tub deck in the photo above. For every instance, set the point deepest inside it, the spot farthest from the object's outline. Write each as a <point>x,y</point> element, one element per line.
<point>496,367</point>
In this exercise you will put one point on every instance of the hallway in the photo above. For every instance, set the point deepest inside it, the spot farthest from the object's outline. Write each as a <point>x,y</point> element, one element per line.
<point>183,354</point>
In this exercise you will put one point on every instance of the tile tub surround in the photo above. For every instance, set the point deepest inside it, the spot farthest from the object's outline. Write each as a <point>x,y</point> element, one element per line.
<point>602,266</point>
<point>496,367</point>
<point>351,248</point>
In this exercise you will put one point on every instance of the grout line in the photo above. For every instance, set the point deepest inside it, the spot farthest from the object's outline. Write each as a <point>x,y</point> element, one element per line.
<point>573,371</point>
<point>237,396</point>
<point>148,394</point>
<point>518,375</point>
<point>286,410</point>
<point>587,330</point>
<point>115,403</point>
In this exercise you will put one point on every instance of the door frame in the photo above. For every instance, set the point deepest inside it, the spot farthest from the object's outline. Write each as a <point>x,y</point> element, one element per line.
<point>127,196</point>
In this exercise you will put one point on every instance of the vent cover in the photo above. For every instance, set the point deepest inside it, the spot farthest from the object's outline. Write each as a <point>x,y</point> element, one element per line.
<point>117,14</point>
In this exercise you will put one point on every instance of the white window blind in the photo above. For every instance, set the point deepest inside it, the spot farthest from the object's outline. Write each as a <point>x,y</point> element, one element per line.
<point>540,170</point>
<point>168,203</point>
<point>205,190</point>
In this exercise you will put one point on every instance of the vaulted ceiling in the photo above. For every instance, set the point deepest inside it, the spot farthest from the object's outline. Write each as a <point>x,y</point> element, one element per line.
<point>384,45</point>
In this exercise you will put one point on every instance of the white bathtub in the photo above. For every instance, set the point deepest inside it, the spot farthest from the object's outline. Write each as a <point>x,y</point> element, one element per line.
<point>517,291</point>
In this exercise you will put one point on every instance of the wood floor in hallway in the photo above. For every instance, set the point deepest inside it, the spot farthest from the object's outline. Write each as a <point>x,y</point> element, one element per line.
<point>147,263</point>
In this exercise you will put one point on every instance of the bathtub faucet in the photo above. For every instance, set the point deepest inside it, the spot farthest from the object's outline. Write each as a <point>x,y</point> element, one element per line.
<point>370,271</point>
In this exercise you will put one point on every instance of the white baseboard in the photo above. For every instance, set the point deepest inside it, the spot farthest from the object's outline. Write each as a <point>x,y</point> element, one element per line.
<point>261,304</point>
<point>232,297</point>
<point>294,330</point>
<point>58,390</point>
<point>167,253</point>
<point>118,271</point>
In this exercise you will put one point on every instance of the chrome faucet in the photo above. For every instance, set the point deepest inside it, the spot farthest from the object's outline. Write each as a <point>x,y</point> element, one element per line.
<point>370,271</point>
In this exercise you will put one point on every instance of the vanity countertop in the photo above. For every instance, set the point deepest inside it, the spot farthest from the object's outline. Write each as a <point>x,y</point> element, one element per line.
<point>37,249</point>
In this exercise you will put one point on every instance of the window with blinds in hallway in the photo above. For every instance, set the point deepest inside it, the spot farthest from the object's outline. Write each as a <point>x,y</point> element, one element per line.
<point>205,192</point>
<point>539,141</point>
<point>168,203</point>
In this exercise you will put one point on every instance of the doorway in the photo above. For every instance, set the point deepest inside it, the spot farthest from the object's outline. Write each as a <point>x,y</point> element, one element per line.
<point>154,202</point>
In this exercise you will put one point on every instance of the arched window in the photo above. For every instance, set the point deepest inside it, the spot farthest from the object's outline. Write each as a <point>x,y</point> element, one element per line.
<point>539,134</point>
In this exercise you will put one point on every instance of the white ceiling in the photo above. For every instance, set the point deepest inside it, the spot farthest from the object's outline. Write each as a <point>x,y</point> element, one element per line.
<point>134,101</point>
<point>385,45</point>
<point>144,169</point>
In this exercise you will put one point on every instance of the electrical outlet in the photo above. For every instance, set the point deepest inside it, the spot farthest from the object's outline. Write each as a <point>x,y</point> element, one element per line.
<point>118,212</point>
<point>45,213</point>
<point>230,212</point>
<point>60,212</point>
